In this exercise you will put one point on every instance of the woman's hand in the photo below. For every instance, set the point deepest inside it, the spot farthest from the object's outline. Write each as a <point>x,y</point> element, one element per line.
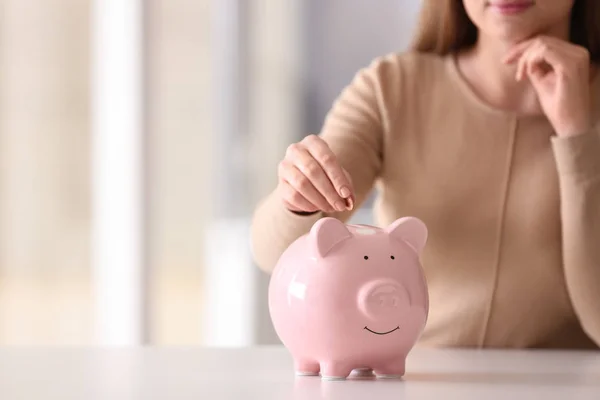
<point>311,178</point>
<point>560,74</point>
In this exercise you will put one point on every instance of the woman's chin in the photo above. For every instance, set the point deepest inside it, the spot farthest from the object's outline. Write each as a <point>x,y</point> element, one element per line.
<point>512,34</point>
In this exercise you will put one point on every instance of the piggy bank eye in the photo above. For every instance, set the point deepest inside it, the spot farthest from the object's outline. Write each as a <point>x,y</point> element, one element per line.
<point>366,257</point>
<point>392,257</point>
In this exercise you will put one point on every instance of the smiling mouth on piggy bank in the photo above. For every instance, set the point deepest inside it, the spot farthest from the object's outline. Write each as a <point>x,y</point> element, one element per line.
<point>382,333</point>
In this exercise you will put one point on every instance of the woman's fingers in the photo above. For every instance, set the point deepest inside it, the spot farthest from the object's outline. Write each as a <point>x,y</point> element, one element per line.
<point>517,51</point>
<point>542,54</point>
<point>321,152</point>
<point>293,200</point>
<point>314,175</point>
<point>350,199</point>
<point>539,63</point>
<point>303,187</point>
<point>311,178</point>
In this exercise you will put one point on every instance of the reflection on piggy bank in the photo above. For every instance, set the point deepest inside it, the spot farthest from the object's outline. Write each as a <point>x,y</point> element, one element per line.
<point>345,297</point>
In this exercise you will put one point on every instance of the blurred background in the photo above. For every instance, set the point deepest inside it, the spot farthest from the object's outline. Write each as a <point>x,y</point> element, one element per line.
<point>136,137</point>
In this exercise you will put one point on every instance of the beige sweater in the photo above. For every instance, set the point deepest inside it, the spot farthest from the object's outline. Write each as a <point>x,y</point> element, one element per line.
<point>513,258</point>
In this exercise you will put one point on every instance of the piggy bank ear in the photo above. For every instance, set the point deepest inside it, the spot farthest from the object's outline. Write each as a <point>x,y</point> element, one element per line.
<point>410,230</point>
<point>326,233</point>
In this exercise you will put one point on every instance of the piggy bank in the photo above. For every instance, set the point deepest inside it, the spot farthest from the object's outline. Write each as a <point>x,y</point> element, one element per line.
<point>346,298</point>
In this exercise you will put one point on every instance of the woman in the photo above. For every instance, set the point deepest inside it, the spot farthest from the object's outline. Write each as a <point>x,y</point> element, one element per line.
<point>488,131</point>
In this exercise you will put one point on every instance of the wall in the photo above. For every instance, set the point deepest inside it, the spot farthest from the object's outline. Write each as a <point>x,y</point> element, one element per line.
<point>345,35</point>
<point>181,140</point>
<point>44,169</point>
<point>46,287</point>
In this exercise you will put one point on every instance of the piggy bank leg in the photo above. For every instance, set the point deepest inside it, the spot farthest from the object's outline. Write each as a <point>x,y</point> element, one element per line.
<point>306,368</point>
<point>335,371</point>
<point>362,373</point>
<point>394,370</point>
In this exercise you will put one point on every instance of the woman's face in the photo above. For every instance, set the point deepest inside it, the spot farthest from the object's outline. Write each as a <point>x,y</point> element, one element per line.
<point>515,20</point>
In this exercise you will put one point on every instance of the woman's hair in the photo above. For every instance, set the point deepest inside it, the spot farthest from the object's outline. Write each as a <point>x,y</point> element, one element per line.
<point>445,27</point>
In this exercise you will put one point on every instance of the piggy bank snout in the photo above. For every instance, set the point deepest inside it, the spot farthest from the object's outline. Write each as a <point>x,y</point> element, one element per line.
<point>382,299</point>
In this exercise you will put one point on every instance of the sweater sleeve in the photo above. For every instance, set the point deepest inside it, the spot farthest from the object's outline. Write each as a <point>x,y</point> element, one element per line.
<point>354,129</point>
<point>578,165</point>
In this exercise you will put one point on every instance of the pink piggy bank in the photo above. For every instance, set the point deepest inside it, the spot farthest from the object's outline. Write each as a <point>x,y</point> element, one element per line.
<point>351,297</point>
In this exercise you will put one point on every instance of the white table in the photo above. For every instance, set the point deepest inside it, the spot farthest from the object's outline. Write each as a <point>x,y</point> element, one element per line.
<point>266,373</point>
